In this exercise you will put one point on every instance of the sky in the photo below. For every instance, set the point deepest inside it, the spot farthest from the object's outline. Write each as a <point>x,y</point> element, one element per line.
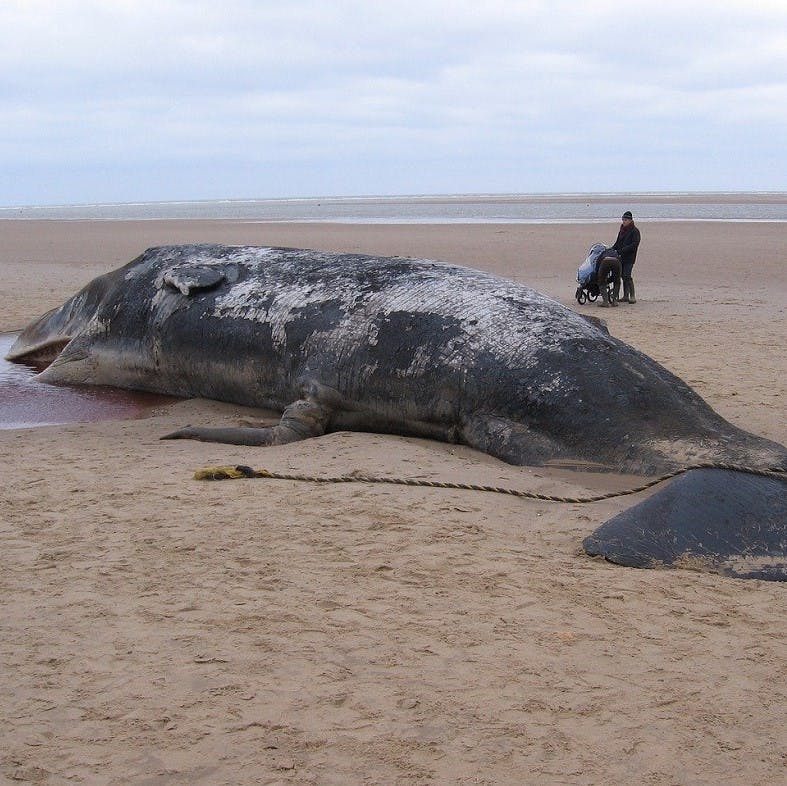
<point>158,100</point>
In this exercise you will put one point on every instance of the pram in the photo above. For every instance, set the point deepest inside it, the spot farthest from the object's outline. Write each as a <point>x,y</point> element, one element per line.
<point>587,275</point>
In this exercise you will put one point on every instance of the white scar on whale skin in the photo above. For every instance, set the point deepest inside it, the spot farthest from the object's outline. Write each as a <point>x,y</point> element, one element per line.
<point>440,292</point>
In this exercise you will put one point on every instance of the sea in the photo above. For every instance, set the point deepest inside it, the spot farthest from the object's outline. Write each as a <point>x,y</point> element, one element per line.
<point>438,209</point>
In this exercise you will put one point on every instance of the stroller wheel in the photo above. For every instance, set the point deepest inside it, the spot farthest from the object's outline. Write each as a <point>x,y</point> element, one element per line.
<point>592,296</point>
<point>580,296</point>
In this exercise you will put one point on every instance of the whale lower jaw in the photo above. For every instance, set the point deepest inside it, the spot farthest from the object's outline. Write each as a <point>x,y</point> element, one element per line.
<point>39,354</point>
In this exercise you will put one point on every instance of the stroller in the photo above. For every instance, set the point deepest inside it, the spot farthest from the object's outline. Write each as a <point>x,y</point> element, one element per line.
<point>588,288</point>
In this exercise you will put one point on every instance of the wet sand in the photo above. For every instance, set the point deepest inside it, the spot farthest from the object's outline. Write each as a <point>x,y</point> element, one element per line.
<point>160,630</point>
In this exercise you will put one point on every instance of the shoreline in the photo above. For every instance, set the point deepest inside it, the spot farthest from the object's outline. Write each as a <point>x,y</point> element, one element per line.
<point>700,197</point>
<point>434,208</point>
<point>156,628</point>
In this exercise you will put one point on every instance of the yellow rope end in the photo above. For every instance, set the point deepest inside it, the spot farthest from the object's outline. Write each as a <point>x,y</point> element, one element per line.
<point>223,473</point>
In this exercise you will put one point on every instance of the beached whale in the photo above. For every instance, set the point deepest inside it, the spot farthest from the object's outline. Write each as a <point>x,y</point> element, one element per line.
<point>395,345</point>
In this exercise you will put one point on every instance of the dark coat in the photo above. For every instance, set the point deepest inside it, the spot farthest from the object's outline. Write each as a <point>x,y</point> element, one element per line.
<point>627,243</point>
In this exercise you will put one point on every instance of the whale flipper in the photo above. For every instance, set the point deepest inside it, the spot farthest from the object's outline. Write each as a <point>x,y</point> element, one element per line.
<point>300,420</point>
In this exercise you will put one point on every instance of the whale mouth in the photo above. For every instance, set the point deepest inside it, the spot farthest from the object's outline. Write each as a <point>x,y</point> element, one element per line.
<point>40,354</point>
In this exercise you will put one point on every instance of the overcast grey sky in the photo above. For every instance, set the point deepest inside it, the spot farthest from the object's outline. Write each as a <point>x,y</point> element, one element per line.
<point>130,100</point>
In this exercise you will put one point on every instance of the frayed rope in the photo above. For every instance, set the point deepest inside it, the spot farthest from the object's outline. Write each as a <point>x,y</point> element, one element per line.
<point>240,471</point>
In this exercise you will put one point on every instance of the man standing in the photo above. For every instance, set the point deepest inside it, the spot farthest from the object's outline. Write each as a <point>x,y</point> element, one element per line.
<point>626,245</point>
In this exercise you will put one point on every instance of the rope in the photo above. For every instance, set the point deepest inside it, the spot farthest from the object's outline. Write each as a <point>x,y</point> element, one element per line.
<point>236,472</point>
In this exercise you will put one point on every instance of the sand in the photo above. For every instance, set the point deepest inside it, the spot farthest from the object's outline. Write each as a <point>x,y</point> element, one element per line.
<point>160,630</point>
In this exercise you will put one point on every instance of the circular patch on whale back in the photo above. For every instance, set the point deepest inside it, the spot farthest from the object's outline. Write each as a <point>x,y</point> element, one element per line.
<point>191,278</point>
<point>713,520</point>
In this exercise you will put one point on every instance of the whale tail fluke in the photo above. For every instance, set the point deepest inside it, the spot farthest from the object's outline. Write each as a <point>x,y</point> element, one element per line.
<point>713,520</point>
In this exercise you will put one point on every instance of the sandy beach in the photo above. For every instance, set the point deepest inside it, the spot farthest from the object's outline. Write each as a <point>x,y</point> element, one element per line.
<point>160,630</point>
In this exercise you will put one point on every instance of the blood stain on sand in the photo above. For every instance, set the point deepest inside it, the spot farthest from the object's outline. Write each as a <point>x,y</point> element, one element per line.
<point>25,402</point>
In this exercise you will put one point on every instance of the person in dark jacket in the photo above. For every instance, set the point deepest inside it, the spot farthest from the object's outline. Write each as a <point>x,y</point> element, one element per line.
<point>626,245</point>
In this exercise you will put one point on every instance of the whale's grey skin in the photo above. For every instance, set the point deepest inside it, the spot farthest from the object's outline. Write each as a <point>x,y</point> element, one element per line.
<point>398,345</point>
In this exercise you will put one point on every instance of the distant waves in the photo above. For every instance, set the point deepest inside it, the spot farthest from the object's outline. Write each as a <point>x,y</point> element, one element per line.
<point>438,209</point>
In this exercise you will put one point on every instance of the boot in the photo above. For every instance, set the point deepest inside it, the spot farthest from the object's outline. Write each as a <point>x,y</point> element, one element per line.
<point>602,290</point>
<point>631,299</point>
<point>626,291</point>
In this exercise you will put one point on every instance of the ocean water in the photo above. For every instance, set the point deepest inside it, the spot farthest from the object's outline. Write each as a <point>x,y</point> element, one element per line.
<point>446,209</point>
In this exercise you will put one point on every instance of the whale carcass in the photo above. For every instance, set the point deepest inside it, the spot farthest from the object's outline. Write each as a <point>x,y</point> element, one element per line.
<point>386,344</point>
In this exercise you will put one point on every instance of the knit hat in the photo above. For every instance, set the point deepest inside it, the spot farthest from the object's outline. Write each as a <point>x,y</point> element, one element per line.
<point>627,214</point>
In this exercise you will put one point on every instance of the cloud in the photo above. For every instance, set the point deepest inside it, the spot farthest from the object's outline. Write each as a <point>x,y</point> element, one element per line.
<point>327,96</point>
